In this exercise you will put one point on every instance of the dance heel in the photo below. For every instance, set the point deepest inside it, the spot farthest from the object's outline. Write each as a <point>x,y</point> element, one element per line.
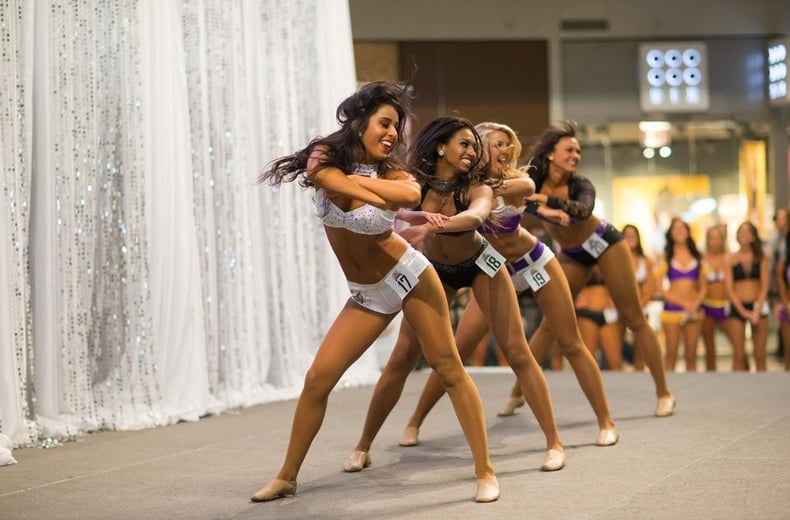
<point>607,437</point>
<point>487,490</point>
<point>357,461</point>
<point>511,405</point>
<point>275,489</point>
<point>666,406</point>
<point>554,461</point>
<point>410,436</point>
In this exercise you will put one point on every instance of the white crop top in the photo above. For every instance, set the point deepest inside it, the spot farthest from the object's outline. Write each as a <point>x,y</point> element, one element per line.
<point>641,270</point>
<point>364,220</point>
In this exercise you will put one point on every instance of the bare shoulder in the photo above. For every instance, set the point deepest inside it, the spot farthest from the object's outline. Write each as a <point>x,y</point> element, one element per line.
<point>480,189</point>
<point>399,175</point>
<point>318,155</point>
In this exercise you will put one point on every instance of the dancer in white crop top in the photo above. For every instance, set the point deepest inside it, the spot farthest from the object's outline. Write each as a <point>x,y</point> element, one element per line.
<point>385,274</point>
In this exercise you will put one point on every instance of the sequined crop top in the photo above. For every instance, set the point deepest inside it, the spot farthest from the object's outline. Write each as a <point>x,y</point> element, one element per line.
<point>364,220</point>
<point>505,218</point>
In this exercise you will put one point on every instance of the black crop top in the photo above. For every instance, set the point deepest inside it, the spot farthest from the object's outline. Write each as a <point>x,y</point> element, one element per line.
<point>738,272</point>
<point>459,207</point>
<point>581,201</point>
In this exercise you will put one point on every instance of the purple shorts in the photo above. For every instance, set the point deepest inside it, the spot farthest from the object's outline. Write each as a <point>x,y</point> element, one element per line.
<point>716,310</point>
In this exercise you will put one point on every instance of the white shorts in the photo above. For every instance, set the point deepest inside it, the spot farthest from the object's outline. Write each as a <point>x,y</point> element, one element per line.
<point>529,271</point>
<point>386,296</point>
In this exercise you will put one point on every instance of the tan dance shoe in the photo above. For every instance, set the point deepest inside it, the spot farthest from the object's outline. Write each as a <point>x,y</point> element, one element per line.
<point>487,490</point>
<point>275,489</point>
<point>357,461</point>
<point>511,405</point>
<point>410,436</point>
<point>607,437</point>
<point>666,406</point>
<point>554,461</point>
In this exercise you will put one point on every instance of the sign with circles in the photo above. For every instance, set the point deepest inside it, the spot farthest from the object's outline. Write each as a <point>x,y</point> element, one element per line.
<point>673,77</point>
<point>778,63</point>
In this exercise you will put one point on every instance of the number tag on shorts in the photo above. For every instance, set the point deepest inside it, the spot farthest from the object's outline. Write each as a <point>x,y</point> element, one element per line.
<point>610,315</point>
<point>595,245</point>
<point>537,277</point>
<point>490,261</point>
<point>402,282</point>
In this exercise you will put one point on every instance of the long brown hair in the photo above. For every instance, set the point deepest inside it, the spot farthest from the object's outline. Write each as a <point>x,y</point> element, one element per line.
<point>353,116</point>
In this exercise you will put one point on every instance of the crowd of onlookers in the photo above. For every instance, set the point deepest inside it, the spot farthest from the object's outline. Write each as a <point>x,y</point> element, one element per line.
<point>695,296</point>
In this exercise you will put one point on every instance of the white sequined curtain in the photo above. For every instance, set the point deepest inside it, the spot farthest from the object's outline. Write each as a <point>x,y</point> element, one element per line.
<point>146,279</point>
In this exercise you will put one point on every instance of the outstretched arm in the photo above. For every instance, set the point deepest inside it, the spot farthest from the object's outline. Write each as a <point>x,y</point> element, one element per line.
<point>479,208</point>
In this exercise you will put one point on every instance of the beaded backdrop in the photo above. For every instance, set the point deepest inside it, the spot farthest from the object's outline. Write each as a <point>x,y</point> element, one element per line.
<point>145,278</point>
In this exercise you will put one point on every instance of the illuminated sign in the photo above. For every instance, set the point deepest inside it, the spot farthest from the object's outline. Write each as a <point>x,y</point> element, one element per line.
<point>673,77</point>
<point>777,72</point>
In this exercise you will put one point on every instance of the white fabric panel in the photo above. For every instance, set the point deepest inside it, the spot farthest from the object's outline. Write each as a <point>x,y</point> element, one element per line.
<point>163,283</point>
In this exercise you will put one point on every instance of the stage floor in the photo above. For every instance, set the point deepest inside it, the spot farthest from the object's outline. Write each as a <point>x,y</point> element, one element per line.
<point>724,454</point>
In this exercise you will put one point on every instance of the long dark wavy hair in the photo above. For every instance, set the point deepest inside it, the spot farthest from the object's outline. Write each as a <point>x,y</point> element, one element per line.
<point>669,249</point>
<point>345,144</point>
<point>639,250</point>
<point>539,162</point>
<point>424,155</point>
<point>756,245</point>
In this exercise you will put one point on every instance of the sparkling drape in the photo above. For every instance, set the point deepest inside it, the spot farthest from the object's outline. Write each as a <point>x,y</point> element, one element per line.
<point>145,278</point>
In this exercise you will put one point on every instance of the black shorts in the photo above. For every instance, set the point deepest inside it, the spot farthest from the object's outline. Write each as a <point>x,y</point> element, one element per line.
<point>460,275</point>
<point>607,232</point>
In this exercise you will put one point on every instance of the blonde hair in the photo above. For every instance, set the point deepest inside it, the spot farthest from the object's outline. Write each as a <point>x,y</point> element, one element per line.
<point>485,129</point>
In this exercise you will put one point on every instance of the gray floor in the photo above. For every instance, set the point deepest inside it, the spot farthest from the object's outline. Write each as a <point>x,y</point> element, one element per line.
<point>725,454</point>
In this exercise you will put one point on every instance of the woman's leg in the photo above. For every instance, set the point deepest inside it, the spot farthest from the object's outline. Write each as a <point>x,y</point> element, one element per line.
<point>759,344</point>
<point>690,339</point>
<point>556,301</point>
<point>737,335</point>
<point>672,342</point>
<point>497,299</point>
<point>785,330</point>
<point>541,341</point>
<point>612,345</point>
<point>709,339</point>
<point>615,266</point>
<point>427,311</point>
<point>470,330</point>
<point>387,392</point>
<point>639,356</point>
<point>589,333</point>
<point>352,332</point>
<point>479,354</point>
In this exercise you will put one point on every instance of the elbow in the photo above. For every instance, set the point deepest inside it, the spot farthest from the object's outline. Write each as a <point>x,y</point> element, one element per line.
<point>412,197</point>
<point>476,221</point>
<point>530,187</point>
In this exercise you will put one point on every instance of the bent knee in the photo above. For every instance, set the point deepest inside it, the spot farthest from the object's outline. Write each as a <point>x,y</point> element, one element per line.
<point>634,320</point>
<point>450,373</point>
<point>317,385</point>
